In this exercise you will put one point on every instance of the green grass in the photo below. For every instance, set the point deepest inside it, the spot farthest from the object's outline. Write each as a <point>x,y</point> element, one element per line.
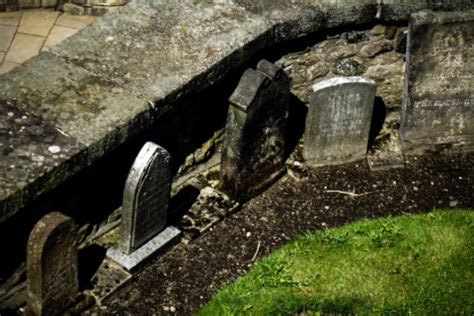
<point>405,265</point>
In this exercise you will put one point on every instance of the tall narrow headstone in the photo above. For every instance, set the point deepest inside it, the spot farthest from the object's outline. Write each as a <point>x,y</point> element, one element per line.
<point>146,197</point>
<point>438,100</point>
<point>145,208</point>
<point>338,121</point>
<point>52,265</point>
<point>254,144</point>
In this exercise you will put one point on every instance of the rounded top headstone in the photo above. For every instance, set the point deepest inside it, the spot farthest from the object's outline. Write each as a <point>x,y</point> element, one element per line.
<point>337,81</point>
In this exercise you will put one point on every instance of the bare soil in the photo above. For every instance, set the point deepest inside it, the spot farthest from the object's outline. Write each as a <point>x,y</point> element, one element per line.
<point>184,279</point>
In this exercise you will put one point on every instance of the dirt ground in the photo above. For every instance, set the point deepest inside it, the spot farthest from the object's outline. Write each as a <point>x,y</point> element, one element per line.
<point>184,279</point>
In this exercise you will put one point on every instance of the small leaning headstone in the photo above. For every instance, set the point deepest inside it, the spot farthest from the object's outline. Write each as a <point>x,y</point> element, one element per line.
<point>438,100</point>
<point>145,208</point>
<point>338,121</point>
<point>52,269</point>
<point>254,145</point>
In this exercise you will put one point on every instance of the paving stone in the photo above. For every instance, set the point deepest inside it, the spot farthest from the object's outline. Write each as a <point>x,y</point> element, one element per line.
<point>6,36</point>
<point>10,18</point>
<point>75,21</point>
<point>37,22</point>
<point>7,66</point>
<point>24,47</point>
<point>59,34</point>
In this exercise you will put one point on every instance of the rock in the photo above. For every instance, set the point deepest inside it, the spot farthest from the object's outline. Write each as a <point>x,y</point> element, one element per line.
<point>355,37</point>
<point>339,51</point>
<point>378,30</point>
<point>373,49</point>
<point>317,71</point>
<point>348,67</point>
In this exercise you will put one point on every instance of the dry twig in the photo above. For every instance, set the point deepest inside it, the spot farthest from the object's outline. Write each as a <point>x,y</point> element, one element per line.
<point>351,194</point>
<point>256,251</point>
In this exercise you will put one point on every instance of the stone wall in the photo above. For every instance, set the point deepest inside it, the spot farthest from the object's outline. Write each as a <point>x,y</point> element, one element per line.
<point>76,7</point>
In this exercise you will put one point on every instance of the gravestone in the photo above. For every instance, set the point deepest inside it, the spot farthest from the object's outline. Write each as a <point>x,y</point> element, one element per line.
<point>437,109</point>
<point>338,121</point>
<point>145,208</point>
<point>52,265</point>
<point>254,145</point>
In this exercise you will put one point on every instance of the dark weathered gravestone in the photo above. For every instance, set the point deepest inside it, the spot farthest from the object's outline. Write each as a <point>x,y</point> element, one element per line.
<point>338,121</point>
<point>52,265</point>
<point>254,145</point>
<point>145,208</point>
<point>437,110</point>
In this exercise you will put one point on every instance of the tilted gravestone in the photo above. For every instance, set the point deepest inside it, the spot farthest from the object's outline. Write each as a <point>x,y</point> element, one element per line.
<point>145,208</point>
<point>254,145</point>
<point>52,269</point>
<point>437,110</point>
<point>338,121</point>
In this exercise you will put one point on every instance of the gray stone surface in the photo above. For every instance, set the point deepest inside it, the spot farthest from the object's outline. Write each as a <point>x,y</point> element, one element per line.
<point>338,121</point>
<point>52,269</point>
<point>162,48</point>
<point>145,197</point>
<point>399,10</point>
<point>137,258</point>
<point>254,145</point>
<point>438,102</point>
<point>34,156</point>
<point>80,103</point>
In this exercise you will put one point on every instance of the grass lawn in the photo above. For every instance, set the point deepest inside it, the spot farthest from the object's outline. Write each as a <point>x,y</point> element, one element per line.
<point>418,264</point>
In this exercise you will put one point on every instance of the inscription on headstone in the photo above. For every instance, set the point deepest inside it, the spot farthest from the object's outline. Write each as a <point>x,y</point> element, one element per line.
<point>438,100</point>
<point>338,121</point>
<point>52,265</point>
<point>254,144</point>
<point>146,197</point>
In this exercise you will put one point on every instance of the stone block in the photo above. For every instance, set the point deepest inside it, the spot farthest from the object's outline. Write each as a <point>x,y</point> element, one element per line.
<point>28,4</point>
<point>49,3</point>
<point>438,102</point>
<point>136,260</point>
<point>254,145</point>
<point>73,9</point>
<point>52,269</point>
<point>338,121</point>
